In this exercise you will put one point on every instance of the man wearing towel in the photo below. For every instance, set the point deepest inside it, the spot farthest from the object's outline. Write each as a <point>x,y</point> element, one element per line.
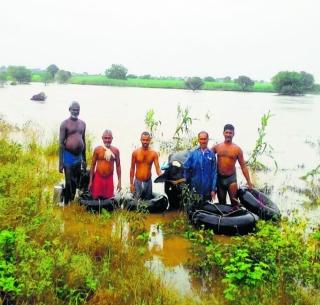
<point>102,167</point>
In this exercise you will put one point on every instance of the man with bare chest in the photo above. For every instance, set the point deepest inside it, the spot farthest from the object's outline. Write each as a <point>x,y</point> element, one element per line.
<point>72,150</point>
<point>102,167</point>
<point>140,171</point>
<point>228,154</point>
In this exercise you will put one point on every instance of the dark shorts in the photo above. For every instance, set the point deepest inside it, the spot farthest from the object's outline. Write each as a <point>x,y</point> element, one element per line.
<point>143,189</point>
<point>225,181</point>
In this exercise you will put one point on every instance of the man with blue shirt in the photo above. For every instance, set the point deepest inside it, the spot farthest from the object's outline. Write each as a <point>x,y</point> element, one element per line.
<point>72,150</point>
<point>200,169</point>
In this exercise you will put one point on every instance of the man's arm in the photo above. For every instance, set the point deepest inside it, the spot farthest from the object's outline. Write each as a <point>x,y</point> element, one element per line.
<point>132,170</point>
<point>62,137</point>
<point>118,167</point>
<point>156,164</point>
<point>84,147</point>
<point>187,168</point>
<point>244,169</point>
<point>92,168</point>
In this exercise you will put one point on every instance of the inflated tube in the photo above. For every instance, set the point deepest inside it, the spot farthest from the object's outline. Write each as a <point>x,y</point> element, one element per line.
<point>259,203</point>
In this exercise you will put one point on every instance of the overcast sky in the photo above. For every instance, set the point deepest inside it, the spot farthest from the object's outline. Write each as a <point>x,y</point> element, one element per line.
<point>221,38</point>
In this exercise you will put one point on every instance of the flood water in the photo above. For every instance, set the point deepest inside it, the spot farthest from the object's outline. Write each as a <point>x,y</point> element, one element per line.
<point>291,129</point>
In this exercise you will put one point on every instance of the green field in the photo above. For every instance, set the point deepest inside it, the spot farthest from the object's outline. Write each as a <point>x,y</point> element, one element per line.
<point>162,83</point>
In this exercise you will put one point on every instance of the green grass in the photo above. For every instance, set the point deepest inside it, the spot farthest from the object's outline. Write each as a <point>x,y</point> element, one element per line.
<point>162,83</point>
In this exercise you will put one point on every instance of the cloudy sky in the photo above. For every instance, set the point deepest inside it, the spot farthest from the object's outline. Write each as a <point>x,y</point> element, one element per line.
<point>215,38</point>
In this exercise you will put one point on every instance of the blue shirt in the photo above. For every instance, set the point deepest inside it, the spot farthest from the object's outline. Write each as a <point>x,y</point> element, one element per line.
<point>200,171</point>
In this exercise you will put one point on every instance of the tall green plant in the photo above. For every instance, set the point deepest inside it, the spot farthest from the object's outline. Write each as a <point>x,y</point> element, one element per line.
<point>151,122</point>
<point>261,147</point>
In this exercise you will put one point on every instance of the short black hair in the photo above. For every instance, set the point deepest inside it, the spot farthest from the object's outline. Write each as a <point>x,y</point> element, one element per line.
<point>146,133</point>
<point>228,127</point>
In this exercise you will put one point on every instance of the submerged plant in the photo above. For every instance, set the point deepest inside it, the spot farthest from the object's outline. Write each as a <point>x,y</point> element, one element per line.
<point>261,147</point>
<point>151,122</point>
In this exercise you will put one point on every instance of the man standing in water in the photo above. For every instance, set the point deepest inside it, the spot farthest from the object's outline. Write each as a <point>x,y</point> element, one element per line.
<point>140,171</point>
<point>228,154</point>
<point>101,171</point>
<point>72,150</point>
<point>200,169</point>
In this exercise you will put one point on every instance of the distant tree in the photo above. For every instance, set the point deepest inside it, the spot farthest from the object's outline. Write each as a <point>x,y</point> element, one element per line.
<point>244,82</point>
<point>3,78</point>
<point>62,76</point>
<point>146,76</point>
<point>292,83</point>
<point>116,72</point>
<point>307,80</point>
<point>46,77</point>
<point>52,70</point>
<point>194,83</point>
<point>227,79</point>
<point>20,73</point>
<point>209,79</point>
<point>132,76</point>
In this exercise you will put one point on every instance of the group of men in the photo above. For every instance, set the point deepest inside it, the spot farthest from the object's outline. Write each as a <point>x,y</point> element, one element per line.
<point>203,173</point>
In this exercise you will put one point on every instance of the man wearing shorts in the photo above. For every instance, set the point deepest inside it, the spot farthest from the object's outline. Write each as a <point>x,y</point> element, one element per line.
<point>140,171</point>
<point>228,154</point>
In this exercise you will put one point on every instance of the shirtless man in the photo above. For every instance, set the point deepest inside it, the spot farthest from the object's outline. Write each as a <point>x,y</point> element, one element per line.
<point>140,171</point>
<point>101,171</point>
<point>228,154</point>
<point>72,150</point>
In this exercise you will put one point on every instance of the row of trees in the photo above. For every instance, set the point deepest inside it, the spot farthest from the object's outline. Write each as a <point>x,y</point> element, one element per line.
<point>22,75</point>
<point>284,82</point>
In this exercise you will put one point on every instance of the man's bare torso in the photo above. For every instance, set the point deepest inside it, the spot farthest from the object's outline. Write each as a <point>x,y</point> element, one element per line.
<point>105,167</point>
<point>227,156</point>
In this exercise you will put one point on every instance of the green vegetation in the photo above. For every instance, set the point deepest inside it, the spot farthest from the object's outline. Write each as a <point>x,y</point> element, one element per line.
<point>50,256</point>
<point>245,83</point>
<point>276,265</point>
<point>62,76</point>
<point>194,83</point>
<point>262,148</point>
<point>151,122</point>
<point>52,70</point>
<point>3,78</point>
<point>54,256</point>
<point>116,72</point>
<point>293,83</point>
<point>20,74</point>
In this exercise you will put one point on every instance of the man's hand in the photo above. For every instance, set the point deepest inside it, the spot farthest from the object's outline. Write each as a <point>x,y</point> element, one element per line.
<point>132,188</point>
<point>250,186</point>
<point>61,169</point>
<point>90,186</point>
<point>119,186</point>
<point>213,195</point>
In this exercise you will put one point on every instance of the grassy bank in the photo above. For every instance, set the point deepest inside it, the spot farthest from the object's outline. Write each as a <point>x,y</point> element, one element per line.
<point>100,80</point>
<point>162,83</point>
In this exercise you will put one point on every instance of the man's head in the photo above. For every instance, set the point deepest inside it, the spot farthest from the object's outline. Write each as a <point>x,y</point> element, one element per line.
<point>74,110</point>
<point>145,139</point>
<point>203,138</point>
<point>228,132</point>
<point>107,138</point>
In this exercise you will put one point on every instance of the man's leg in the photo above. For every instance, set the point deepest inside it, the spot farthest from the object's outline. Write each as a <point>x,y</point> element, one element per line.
<point>147,189</point>
<point>75,173</point>
<point>137,188</point>
<point>68,188</point>
<point>232,191</point>
<point>221,192</point>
